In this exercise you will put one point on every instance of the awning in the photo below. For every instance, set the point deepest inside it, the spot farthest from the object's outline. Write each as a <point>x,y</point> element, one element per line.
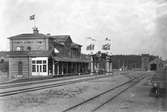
<point>66,59</point>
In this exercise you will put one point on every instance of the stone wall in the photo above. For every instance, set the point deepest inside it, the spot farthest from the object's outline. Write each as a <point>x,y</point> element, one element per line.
<point>14,67</point>
<point>35,44</point>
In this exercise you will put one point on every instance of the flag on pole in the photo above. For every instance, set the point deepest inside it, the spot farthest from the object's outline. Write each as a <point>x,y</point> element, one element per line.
<point>106,46</point>
<point>32,17</point>
<point>90,47</point>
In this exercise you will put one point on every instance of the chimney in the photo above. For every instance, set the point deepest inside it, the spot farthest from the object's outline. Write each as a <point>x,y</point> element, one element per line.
<point>35,30</point>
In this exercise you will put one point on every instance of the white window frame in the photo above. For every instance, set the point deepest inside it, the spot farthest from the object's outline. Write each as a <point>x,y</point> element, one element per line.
<point>39,66</point>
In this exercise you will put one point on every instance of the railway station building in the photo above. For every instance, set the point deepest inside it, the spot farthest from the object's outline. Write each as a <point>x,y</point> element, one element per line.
<point>37,54</point>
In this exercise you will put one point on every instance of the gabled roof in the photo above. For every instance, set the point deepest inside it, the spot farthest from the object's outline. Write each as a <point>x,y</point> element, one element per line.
<point>60,38</point>
<point>156,60</point>
<point>75,45</point>
<point>29,35</point>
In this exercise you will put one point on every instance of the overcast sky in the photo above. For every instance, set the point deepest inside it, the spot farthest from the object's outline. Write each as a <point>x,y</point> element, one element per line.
<point>134,26</point>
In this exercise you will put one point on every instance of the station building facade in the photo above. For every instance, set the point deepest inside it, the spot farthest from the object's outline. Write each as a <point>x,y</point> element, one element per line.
<point>37,54</point>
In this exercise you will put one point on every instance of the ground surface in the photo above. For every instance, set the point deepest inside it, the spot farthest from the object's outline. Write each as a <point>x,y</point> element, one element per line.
<point>136,99</point>
<point>57,99</point>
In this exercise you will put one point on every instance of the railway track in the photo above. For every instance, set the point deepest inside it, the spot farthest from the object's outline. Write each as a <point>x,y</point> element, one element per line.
<point>90,104</point>
<point>29,89</point>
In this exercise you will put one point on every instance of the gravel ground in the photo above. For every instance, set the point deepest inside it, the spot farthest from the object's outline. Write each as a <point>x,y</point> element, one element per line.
<point>58,98</point>
<point>136,99</point>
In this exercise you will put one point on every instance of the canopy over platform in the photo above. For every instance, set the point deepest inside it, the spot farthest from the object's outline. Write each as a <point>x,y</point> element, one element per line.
<point>67,59</point>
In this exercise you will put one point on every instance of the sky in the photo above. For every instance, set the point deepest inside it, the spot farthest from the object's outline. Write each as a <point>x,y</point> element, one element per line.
<point>133,26</point>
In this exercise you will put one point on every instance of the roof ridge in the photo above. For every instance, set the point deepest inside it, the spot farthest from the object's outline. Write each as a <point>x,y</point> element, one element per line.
<point>28,35</point>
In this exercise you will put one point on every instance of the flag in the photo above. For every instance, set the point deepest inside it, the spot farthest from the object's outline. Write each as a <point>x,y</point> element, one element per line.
<point>106,46</point>
<point>32,17</point>
<point>90,47</point>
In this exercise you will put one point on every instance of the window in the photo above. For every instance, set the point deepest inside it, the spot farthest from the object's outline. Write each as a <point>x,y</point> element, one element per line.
<point>39,66</point>
<point>33,68</point>
<point>29,48</point>
<point>20,68</point>
<point>44,68</point>
<point>2,60</point>
<point>18,49</point>
<point>44,61</point>
<point>33,62</point>
<point>39,62</point>
<point>39,42</point>
<point>18,42</point>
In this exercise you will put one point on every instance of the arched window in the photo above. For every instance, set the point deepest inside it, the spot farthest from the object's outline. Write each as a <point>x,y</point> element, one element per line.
<point>20,68</point>
<point>18,49</point>
<point>2,60</point>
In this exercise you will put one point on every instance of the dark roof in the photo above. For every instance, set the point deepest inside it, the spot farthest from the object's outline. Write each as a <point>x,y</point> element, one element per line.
<point>30,53</point>
<point>75,45</point>
<point>60,38</point>
<point>29,35</point>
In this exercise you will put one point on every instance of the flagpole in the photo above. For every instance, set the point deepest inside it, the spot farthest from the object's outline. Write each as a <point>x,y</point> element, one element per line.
<point>34,23</point>
<point>32,18</point>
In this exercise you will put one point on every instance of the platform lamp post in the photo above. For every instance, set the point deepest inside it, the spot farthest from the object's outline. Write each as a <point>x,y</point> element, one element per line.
<point>90,47</point>
<point>106,48</point>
